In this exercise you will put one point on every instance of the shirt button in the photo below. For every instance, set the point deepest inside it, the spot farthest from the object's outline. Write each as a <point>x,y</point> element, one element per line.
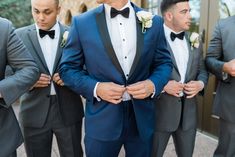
<point>125,57</point>
<point>127,75</point>
<point>120,23</point>
<point>123,40</point>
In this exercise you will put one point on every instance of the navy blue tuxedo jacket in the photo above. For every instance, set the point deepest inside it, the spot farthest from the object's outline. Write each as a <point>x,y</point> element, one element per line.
<point>89,46</point>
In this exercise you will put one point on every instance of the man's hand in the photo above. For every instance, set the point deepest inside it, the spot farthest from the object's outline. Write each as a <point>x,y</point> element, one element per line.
<point>229,67</point>
<point>43,81</point>
<point>110,92</point>
<point>174,88</point>
<point>141,90</point>
<point>57,79</point>
<point>192,88</point>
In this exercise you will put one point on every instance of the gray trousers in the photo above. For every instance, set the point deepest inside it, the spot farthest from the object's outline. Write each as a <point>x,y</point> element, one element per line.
<point>38,141</point>
<point>226,143</point>
<point>184,142</point>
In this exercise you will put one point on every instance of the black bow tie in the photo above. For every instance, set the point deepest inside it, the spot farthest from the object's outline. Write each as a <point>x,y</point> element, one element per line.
<point>125,12</point>
<point>51,33</point>
<point>180,36</point>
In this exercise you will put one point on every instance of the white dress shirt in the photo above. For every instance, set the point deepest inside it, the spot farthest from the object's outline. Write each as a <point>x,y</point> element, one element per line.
<point>122,32</point>
<point>49,48</point>
<point>180,51</point>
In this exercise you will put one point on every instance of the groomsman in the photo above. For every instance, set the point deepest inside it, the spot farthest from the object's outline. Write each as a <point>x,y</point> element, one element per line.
<point>220,61</point>
<point>14,54</point>
<point>126,66</point>
<point>49,107</point>
<point>176,108</point>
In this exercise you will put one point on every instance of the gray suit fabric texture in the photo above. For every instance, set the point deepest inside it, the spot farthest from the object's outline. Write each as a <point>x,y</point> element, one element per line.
<point>13,53</point>
<point>174,114</point>
<point>35,103</point>
<point>35,109</point>
<point>221,49</point>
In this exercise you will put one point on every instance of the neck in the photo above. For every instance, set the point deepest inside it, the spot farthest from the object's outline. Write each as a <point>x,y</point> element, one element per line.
<point>172,27</point>
<point>118,4</point>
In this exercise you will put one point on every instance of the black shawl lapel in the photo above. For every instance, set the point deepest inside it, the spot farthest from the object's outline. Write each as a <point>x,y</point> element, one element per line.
<point>190,59</point>
<point>139,42</point>
<point>172,57</point>
<point>34,40</point>
<point>59,48</point>
<point>103,30</point>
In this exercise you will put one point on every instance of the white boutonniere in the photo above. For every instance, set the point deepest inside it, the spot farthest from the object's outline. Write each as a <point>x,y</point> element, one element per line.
<point>64,40</point>
<point>146,19</point>
<point>194,40</point>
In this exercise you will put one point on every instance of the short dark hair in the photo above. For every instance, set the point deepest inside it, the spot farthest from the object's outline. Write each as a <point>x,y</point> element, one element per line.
<point>166,4</point>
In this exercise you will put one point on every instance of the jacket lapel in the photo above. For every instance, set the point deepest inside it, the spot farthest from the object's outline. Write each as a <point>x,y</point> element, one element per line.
<point>59,48</point>
<point>172,57</point>
<point>34,40</point>
<point>103,30</point>
<point>190,59</point>
<point>139,43</point>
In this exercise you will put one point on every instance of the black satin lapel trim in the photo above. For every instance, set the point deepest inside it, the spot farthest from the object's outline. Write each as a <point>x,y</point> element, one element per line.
<point>34,40</point>
<point>190,59</point>
<point>104,34</point>
<point>59,49</point>
<point>172,57</point>
<point>139,47</point>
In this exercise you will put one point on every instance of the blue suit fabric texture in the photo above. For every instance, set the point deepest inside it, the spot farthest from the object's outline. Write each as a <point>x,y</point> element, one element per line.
<point>89,46</point>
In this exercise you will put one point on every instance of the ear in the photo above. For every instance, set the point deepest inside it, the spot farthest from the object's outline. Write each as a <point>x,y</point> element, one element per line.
<point>168,16</point>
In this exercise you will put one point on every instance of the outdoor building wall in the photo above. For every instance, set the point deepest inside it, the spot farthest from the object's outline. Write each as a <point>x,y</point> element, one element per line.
<point>76,6</point>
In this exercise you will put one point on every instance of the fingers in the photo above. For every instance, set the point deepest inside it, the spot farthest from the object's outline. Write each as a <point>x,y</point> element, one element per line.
<point>57,79</point>
<point>44,81</point>
<point>141,90</point>
<point>110,92</point>
<point>174,88</point>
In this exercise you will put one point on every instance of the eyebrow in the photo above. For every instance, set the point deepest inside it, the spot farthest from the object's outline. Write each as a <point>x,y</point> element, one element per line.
<point>184,10</point>
<point>42,10</point>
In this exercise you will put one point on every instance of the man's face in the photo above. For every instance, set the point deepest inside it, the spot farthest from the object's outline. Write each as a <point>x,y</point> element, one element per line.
<point>181,18</point>
<point>45,13</point>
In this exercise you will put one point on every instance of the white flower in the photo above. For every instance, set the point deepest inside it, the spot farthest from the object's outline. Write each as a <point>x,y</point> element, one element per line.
<point>194,40</point>
<point>65,37</point>
<point>146,19</point>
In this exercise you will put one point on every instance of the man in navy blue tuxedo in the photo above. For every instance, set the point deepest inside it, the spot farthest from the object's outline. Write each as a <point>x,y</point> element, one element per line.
<point>119,64</point>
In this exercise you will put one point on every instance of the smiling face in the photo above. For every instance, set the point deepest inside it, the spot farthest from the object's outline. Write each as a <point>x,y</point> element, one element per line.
<point>45,13</point>
<point>178,17</point>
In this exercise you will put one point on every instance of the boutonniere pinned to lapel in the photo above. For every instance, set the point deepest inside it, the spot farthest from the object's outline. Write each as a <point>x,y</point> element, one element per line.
<point>64,40</point>
<point>194,40</point>
<point>146,19</point>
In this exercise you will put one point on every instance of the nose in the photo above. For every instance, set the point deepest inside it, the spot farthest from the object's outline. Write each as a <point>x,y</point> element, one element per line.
<point>41,17</point>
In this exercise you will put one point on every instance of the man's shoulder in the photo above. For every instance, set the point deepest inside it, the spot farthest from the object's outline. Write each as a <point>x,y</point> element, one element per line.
<point>4,24</point>
<point>89,14</point>
<point>4,21</point>
<point>25,29</point>
<point>229,21</point>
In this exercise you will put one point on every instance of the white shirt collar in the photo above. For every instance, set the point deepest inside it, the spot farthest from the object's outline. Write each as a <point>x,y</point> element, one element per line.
<point>168,31</point>
<point>56,27</point>
<point>108,8</point>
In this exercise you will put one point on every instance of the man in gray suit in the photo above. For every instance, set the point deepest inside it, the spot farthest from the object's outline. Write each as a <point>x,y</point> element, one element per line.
<point>176,108</point>
<point>50,107</point>
<point>13,53</point>
<point>220,61</point>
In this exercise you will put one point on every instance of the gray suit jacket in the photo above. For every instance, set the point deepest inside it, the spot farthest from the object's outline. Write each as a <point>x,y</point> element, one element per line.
<point>35,103</point>
<point>221,50</point>
<point>13,53</point>
<point>168,107</point>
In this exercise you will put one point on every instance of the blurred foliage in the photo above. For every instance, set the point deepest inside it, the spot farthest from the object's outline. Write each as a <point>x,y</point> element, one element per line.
<point>17,11</point>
